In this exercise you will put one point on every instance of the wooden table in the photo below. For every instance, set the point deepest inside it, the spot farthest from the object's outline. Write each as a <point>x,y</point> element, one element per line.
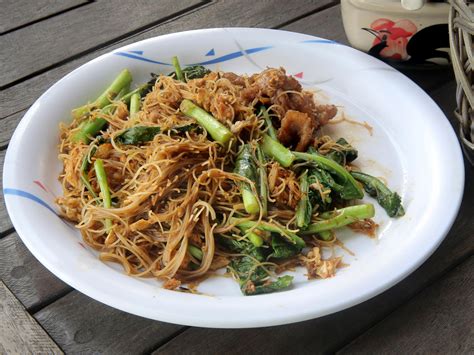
<point>430,311</point>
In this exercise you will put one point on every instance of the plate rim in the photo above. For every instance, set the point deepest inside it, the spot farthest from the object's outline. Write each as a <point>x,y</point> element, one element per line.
<point>166,317</point>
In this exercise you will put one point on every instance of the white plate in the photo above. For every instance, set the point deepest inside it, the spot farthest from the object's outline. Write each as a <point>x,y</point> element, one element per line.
<point>412,146</point>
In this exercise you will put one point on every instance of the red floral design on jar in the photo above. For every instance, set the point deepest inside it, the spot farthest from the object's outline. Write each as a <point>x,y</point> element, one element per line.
<point>391,37</point>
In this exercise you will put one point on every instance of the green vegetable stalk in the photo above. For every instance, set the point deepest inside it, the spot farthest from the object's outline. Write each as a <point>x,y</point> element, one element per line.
<point>280,283</point>
<point>351,190</point>
<point>268,122</point>
<point>104,188</point>
<point>195,251</point>
<point>390,201</point>
<point>266,226</point>
<point>304,209</point>
<point>217,130</point>
<point>139,90</point>
<point>134,104</point>
<point>277,151</point>
<point>263,180</point>
<point>121,81</point>
<point>84,168</point>
<point>255,239</point>
<point>339,218</point>
<point>177,68</point>
<point>245,166</point>
<point>325,235</point>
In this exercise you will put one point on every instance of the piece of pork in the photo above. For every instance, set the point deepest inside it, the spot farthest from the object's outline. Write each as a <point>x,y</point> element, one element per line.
<point>297,129</point>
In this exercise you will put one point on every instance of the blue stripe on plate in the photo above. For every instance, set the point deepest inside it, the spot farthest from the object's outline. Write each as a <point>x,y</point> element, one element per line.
<point>133,56</point>
<point>221,59</point>
<point>30,196</point>
<point>327,41</point>
<point>233,55</point>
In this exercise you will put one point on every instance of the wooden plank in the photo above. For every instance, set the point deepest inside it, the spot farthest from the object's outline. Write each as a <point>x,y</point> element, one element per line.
<point>438,320</point>
<point>19,332</point>
<point>325,24</point>
<point>30,281</point>
<point>220,14</point>
<point>20,13</point>
<point>5,223</point>
<point>79,324</point>
<point>330,333</point>
<point>8,125</point>
<point>30,49</point>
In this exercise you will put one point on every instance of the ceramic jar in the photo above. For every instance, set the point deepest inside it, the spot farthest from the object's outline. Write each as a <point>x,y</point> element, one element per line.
<point>413,31</point>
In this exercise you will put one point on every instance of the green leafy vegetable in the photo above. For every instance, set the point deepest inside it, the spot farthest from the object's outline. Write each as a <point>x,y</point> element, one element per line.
<point>186,128</point>
<point>350,189</point>
<point>253,278</point>
<point>137,135</point>
<point>343,153</point>
<point>195,72</point>
<point>282,249</point>
<point>390,201</point>
<point>247,267</point>
<point>321,185</point>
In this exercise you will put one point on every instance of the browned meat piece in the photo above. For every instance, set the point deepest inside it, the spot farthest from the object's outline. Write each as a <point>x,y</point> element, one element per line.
<point>270,81</point>
<point>234,78</point>
<point>296,130</point>
<point>274,87</point>
<point>324,113</point>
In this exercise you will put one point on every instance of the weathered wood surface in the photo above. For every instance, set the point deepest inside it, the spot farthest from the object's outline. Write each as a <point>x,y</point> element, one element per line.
<point>18,13</point>
<point>30,281</point>
<point>81,325</point>
<point>437,321</point>
<point>220,14</point>
<point>31,49</point>
<point>19,332</point>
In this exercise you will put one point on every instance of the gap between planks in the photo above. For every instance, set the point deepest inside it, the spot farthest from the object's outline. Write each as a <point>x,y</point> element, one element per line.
<point>439,327</point>
<point>46,17</point>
